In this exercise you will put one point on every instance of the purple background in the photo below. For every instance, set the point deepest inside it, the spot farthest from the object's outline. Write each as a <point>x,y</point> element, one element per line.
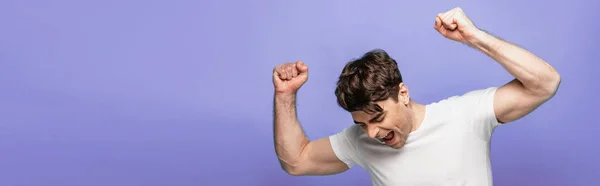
<point>136,92</point>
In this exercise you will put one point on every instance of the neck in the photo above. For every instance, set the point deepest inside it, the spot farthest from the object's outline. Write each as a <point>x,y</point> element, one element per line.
<point>418,114</point>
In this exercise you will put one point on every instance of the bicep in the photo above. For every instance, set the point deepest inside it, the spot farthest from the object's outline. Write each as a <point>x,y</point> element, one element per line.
<point>320,159</point>
<point>512,102</point>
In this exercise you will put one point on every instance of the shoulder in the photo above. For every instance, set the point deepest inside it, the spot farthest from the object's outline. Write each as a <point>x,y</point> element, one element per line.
<point>468,105</point>
<point>351,138</point>
<point>349,133</point>
<point>473,109</point>
<point>470,98</point>
<point>344,144</point>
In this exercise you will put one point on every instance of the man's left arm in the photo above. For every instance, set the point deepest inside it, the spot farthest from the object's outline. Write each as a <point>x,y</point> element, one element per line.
<point>535,80</point>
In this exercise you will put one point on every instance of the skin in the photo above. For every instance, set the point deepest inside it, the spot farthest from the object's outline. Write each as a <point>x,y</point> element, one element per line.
<point>535,83</point>
<point>401,117</point>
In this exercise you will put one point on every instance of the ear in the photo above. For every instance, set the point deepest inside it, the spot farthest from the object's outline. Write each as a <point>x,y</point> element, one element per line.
<point>403,96</point>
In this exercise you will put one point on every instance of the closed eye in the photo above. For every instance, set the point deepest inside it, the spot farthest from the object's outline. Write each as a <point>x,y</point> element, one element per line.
<point>379,118</point>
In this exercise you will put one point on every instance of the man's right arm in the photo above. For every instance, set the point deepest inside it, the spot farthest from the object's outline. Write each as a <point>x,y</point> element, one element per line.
<point>297,155</point>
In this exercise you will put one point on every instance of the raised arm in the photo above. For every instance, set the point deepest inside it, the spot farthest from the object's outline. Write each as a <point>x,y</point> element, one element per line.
<point>535,80</point>
<point>297,155</point>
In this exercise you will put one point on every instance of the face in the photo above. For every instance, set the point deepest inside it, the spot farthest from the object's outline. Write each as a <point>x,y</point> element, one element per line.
<point>390,126</point>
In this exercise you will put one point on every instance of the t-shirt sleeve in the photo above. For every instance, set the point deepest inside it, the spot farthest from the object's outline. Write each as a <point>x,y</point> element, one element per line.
<point>344,147</point>
<point>478,108</point>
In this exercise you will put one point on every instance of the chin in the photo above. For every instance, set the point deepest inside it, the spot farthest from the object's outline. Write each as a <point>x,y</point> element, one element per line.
<point>399,145</point>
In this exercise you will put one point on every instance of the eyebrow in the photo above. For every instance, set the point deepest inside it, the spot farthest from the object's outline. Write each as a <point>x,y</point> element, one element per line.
<point>372,119</point>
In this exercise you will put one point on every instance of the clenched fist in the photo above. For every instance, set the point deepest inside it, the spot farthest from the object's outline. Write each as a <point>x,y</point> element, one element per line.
<point>289,77</point>
<point>455,25</point>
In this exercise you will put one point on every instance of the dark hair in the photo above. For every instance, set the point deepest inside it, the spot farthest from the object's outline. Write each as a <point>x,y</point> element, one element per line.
<point>373,77</point>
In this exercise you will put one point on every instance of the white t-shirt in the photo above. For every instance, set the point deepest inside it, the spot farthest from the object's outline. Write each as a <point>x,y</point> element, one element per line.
<point>451,147</point>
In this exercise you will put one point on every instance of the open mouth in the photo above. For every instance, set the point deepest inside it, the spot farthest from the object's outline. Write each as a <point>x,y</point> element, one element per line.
<point>389,138</point>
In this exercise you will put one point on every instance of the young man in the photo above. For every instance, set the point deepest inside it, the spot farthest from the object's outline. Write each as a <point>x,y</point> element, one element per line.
<point>399,141</point>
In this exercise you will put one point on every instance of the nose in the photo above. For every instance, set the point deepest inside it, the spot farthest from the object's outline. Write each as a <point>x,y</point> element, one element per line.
<point>372,131</point>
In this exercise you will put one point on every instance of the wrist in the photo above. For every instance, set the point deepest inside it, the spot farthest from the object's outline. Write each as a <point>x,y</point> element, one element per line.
<point>478,38</point>
<point>482,41</point>
<point>285,96</point>
<point>285,102</point>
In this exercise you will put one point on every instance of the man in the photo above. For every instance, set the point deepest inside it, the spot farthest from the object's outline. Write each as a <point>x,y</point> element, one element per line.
<point>399,141</point>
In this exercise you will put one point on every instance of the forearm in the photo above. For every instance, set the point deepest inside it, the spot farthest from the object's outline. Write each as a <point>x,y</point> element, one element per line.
<point>534,73</point>
<point>290,139</point>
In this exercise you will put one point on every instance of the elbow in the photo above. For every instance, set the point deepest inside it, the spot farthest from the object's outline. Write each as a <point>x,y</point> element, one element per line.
<point>543,86</point>
<point>291,170</point>
<point>548,86</point>
<point>553,83</point>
